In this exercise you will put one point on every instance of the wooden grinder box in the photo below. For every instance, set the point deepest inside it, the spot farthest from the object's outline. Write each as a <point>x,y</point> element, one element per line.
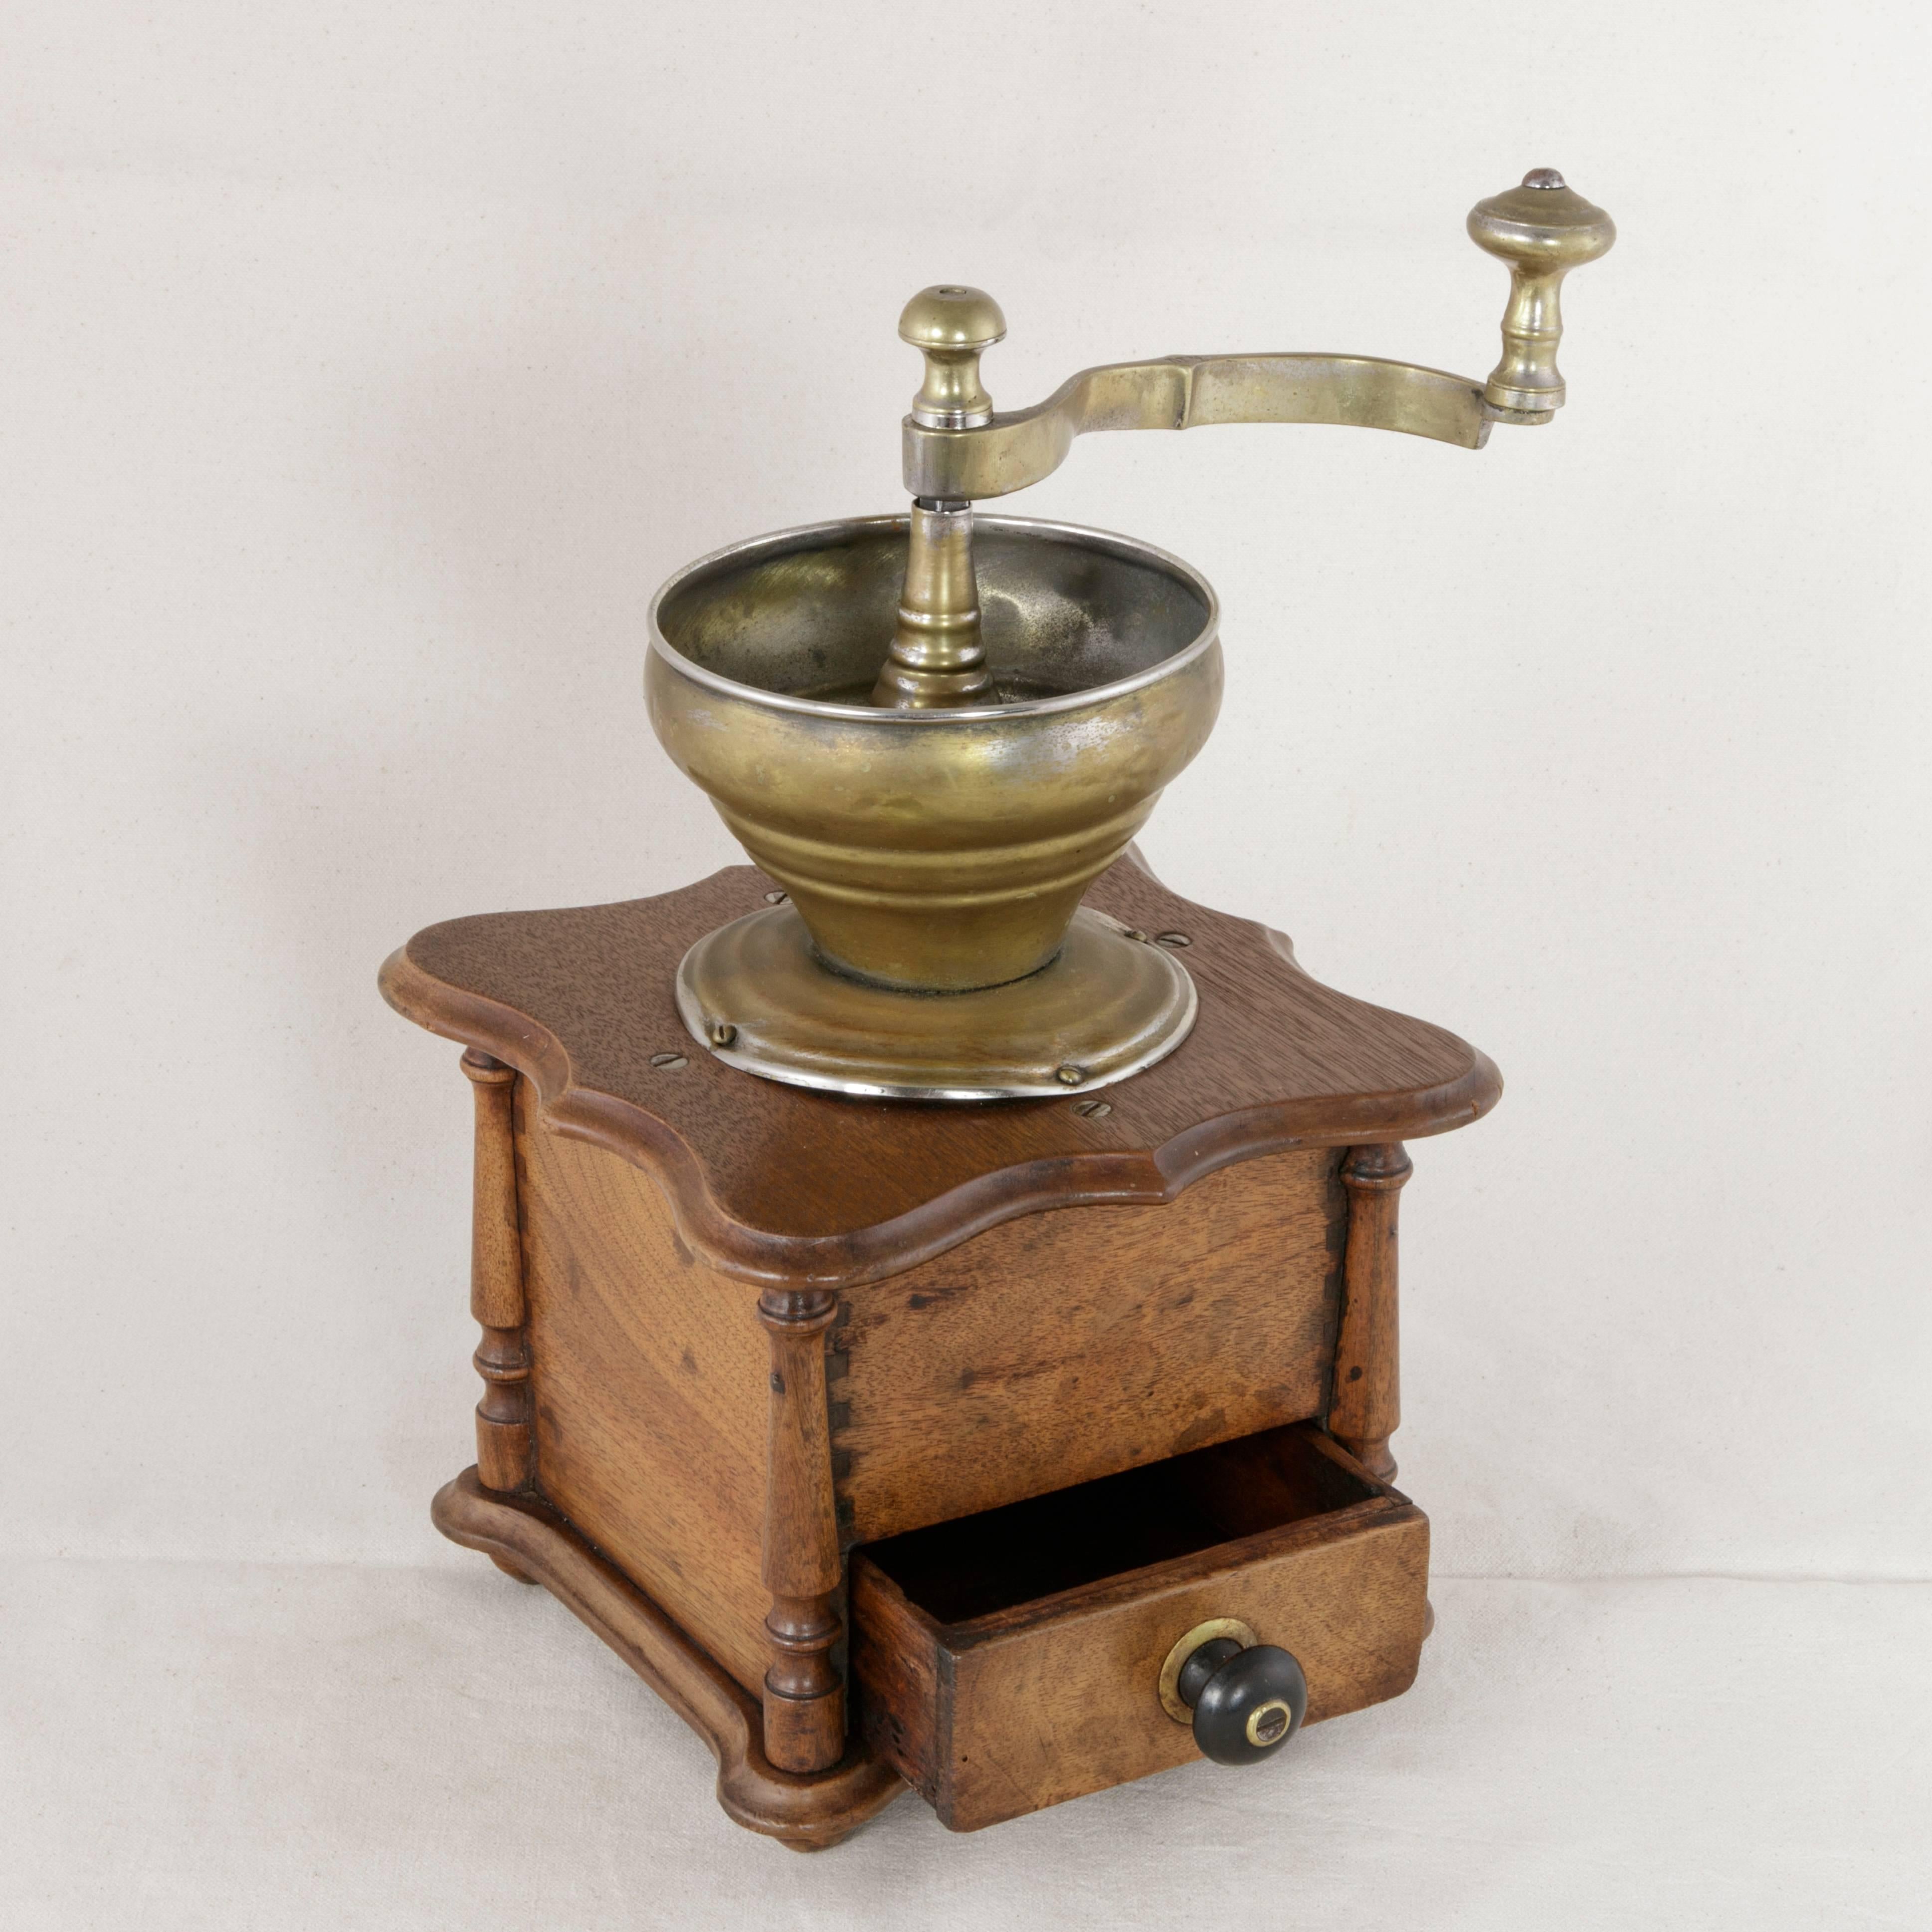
<point>903,1444</point>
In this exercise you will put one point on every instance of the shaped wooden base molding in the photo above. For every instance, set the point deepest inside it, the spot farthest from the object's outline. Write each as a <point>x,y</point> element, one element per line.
<point>808,1812</point>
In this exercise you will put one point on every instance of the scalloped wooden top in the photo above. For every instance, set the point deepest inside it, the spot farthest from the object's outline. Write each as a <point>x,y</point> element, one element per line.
<point>781,1184</point>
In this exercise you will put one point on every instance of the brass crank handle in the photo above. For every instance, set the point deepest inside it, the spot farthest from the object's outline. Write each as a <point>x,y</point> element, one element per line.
<point>958,448</point>
<point>1542,229</point>
<point>1244,1699</point>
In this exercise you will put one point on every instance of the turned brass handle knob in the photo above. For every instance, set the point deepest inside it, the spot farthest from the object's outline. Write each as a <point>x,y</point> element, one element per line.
<point>1245,1700</point>
<point>952,326</point>
<point>1542,229</point>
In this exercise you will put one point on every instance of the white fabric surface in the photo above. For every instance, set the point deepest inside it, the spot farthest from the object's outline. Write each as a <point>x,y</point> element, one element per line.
<point>200,1746</point>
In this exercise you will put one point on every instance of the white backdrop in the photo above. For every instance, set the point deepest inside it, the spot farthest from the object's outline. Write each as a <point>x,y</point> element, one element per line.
<point>364,370</point>
<point>365,377</point>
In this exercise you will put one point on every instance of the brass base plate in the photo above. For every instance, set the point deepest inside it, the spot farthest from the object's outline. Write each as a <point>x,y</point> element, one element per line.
<point>755,993</point>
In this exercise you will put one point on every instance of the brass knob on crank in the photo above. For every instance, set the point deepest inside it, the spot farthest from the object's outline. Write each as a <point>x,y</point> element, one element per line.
<point>1245,1699</point>
<point>1541,230</point>
<point>952,326</point>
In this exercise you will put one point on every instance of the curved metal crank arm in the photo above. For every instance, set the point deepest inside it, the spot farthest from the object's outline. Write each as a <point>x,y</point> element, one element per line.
<point>956,449</point>
<point>1022,446</point>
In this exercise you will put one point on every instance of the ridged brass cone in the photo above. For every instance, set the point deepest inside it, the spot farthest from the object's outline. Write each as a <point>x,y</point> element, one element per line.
<point>934,852</point>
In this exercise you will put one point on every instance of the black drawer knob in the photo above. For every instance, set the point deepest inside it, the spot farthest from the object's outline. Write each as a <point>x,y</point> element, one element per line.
<point>1248,1699</point>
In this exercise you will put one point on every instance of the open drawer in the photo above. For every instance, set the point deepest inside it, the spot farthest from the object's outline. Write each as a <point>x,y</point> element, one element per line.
<point>1008,1661</point>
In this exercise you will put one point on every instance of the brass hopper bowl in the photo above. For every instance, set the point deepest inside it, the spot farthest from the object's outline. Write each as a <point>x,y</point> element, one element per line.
<point>935,731</point>
<point>930,946</point>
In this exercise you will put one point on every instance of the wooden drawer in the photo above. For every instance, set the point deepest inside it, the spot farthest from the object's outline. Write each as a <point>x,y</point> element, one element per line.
<point>1006,1661</point>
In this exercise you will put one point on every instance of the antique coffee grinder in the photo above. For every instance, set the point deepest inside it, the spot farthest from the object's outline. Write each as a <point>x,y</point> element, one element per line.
<point>994,1394</point>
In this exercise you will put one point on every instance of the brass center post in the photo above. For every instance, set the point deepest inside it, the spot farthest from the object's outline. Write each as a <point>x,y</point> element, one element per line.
<point>938,656</point>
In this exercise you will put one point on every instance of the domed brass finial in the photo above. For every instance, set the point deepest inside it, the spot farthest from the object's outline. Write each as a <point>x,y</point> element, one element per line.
<point>1543,229</point>
<point>952,326</point>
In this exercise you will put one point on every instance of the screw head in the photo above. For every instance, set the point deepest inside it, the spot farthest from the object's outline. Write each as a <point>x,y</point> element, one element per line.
<point>720,1033</point>
<point>776,899</point>
<point>1069,1074</point>
<point>1175,939</point>
<point>669,1063</point>
<point>1094,1110</point>
<point>1267,1722</point>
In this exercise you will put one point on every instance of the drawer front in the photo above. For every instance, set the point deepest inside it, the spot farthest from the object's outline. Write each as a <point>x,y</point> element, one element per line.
<point>1003,1713</point>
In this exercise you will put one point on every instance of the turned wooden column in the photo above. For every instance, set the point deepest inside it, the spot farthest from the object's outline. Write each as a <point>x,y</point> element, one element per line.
<point>805,1696</point>
<point>503,1459</point>
<point>1367,1404</point>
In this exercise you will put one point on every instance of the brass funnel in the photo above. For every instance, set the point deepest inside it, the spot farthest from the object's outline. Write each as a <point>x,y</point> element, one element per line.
<point>934,859</point>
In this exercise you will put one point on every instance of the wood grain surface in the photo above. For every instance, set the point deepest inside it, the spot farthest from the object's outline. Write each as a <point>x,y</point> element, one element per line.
<point>1069,1344</point>
<point>778,1184</point>
<point>992,1711</point>
<point>651,1385</point>
<point>804,1688</point>
<point>503,1358</point>
<point>1366,1407</point>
